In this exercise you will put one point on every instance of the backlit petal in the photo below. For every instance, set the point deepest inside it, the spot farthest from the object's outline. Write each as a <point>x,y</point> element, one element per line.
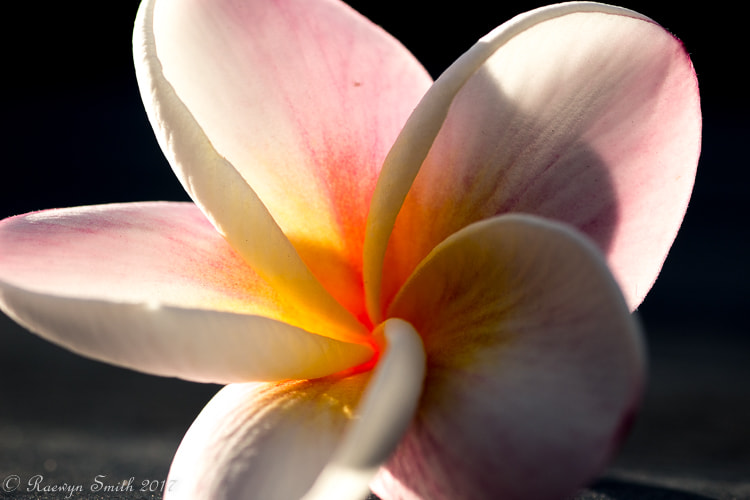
<point>383,416</point>
<point>265,441</point>
<point>159,253</point>
<point>535,365</point>
<point>312,439</point>
<point>152,286</point>
<point>226,198</point>
<point>304,98</point>
<point>580,112</point>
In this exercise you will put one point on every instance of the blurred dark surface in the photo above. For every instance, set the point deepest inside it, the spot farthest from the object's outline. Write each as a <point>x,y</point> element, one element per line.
<point>76,134</point>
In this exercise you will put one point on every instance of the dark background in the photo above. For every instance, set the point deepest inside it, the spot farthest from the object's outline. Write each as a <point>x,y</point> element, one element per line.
<point>76,133</point>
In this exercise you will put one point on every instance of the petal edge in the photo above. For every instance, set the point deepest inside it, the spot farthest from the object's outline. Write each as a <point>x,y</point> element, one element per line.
<point>535,365</point>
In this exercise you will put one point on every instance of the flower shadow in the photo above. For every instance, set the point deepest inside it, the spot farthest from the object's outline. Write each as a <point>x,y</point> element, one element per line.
<point>498,153</point>
<point>552,170</point>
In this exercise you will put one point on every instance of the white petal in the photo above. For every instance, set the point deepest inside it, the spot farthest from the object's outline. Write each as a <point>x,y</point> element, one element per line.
<point>226,198</point>
<point>304,98</point>
<point>581,112</point>
<point>152,286</point>
<point>263,441</point>
<point>194,344</point>
<point>316,439</point>
<point>384,415</point>
<point>535,365</point>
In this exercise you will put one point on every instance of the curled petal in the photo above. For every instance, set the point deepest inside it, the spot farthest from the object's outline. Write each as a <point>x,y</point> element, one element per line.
<point>580,112</point>
<point>384,414</point>
<point>152,286</point>
<point>535,365</point>
<point>316,439</point>
<point>303,98</point>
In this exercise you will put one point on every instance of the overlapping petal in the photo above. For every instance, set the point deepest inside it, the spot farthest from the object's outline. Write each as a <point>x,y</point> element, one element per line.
<point>317,439</point>
<point>304,99</point>
<point>579,112</point>
<point>535,365</point>
<point>153,286</point>
<point>226,198</point>
<point>268,441</point>
<point>277,117</point>
<point>164,253</point>
<point>385,412</point>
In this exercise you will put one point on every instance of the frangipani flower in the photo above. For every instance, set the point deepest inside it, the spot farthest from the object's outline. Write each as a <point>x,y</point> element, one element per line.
<point>405,284</point>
